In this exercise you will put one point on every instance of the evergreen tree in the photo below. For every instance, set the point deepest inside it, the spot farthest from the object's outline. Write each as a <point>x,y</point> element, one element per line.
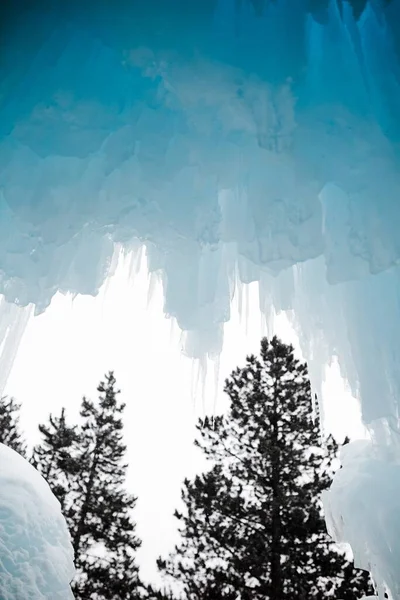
<point>84,467</point>
<point>253,527</point>
<point>56,456</point>
<point>10,434</point>
<point>102,530</point>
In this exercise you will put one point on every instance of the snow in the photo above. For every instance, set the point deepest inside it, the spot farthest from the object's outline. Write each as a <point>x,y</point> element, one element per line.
<point>36,556</point>
<point>362,507</point>
<point>237,144</point>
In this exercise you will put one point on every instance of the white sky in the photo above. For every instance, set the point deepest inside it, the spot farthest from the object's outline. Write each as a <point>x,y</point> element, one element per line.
<point>67,350</point>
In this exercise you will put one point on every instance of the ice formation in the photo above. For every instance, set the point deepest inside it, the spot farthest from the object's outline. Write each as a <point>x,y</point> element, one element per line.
<point>239,140</point>
<point>367,491</point>
<point>36,556</point>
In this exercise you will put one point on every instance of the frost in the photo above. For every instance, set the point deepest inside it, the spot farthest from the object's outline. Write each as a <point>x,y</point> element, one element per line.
<point>36,556</point>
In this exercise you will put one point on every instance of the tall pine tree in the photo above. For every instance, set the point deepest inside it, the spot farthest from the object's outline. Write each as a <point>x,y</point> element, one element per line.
<point>84,467</point>
<point>102,529</point>
<point>253,527</point>
<point>10,434</point>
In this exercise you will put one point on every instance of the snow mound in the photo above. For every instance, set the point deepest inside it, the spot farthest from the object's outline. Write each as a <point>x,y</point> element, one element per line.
<point>36,556</point>
<point>362,507</point>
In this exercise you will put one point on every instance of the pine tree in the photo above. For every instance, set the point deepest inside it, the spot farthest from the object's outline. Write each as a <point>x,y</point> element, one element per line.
<point>10,434</point>
<point>56,456</point>
<point>99,517</point>
<point>253,527</point>
<point>84,468</point>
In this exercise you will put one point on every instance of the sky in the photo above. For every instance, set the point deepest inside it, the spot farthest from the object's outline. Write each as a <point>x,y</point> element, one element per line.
<point>66,351</point>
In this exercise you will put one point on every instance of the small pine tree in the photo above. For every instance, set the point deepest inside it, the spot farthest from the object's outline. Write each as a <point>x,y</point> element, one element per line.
<point>56,456</point>
<point>253,527</point>
<point>10,434</point>
<point>99,509</point>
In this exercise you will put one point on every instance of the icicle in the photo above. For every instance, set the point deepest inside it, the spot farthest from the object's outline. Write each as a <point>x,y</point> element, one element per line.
<point>13,322</point>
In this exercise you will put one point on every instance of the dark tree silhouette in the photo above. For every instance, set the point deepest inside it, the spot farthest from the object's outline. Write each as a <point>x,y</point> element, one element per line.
<point>253,527</point>
<point>84,467</point>
<point>56,456</point>
<point>10,434</point>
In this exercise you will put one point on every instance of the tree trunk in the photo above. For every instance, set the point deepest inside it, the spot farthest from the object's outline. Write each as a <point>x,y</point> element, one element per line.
<point>276,570</point>
<point>84,510</point>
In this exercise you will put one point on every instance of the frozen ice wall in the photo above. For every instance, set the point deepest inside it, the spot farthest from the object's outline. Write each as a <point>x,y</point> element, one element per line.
<point>239,140</point>
<point>363,509</point>
<point>36,556</point>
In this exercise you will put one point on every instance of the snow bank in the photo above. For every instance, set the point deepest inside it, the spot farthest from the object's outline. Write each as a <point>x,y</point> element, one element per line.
<point>362,507</point>
<point>36,557</point>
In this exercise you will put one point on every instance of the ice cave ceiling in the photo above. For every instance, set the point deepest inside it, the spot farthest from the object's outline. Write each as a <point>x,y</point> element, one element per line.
<point>239,140</point>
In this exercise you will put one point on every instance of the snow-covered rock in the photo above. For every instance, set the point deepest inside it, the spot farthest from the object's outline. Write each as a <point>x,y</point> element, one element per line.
<point>36,556</point>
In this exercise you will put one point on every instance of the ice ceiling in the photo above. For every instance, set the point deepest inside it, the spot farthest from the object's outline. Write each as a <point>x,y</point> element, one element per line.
<point>239,140</point>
